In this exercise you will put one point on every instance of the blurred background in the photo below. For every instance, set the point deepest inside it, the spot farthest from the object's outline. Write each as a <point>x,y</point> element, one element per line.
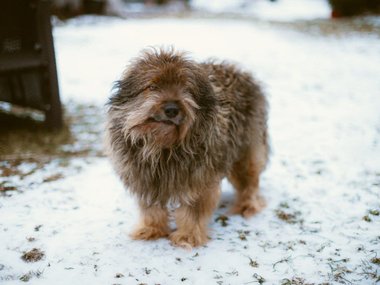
<point>338,8</point>
<point>94,39</point>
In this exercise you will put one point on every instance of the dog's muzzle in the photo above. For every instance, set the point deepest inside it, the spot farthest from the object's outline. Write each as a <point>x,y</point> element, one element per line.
<point>169,113</point>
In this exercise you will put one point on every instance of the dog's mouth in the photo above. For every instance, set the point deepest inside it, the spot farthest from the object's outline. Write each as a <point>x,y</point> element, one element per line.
<point>169,122</point>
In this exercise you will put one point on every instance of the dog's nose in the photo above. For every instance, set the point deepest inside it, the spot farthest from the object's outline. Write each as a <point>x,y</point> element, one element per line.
<point>171,109</point>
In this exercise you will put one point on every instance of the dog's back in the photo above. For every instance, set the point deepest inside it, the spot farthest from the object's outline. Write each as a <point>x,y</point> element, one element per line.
<point>242,109</point>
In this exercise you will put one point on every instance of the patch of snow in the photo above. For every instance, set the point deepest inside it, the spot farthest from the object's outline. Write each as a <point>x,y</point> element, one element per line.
<point>324,171</point>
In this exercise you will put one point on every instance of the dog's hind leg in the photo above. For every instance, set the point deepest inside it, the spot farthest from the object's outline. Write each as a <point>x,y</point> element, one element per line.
<point>153,223</point>
<point>245,177</point>
<point>192,220</point>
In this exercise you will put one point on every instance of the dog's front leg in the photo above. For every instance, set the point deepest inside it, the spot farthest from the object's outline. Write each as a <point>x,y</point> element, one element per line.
<point>192,220</point>
<point>153,223</point>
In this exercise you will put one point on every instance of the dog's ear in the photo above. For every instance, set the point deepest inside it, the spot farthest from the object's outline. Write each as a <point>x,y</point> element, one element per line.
<point>203,92</point>
<point>125,89</point>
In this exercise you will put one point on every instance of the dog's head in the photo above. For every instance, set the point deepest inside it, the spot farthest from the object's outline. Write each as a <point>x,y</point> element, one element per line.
<point>160,97</point>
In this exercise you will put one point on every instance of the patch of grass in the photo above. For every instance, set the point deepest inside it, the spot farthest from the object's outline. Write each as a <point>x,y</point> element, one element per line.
<point>288,217</point>
<point>284,205</point>
<point>33,255</point>
<point>23,138</point>
<point>223,220</point>
<point>5,186</point>
<point>243,234</point>
<point>37,228</point>
<point>295,281</point>
<point>53,177</point>
<point>367,219</point>
<point>284,260</point>
<point>233,273</point>
<point>370,271</point>
<point>253,263</point>
<point>26,277</point>
<point>338,270</point>
<point>26,146</point>
<point>260,279</point>
<point>285,213</point>
<point>13,167</point>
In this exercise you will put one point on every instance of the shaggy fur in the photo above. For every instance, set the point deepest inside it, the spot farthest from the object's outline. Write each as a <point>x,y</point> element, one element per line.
<point>218,128</point>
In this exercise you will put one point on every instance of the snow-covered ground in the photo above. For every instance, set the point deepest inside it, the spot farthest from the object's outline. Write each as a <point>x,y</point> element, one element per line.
<point>322,223</point>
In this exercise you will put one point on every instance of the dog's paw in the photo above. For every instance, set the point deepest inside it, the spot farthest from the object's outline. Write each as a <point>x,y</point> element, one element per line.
<point>187,240</point>
<point>248,208</point>
<point>149,233</point>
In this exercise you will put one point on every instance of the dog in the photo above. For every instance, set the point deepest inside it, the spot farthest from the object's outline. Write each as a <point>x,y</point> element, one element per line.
<point>175,129</point>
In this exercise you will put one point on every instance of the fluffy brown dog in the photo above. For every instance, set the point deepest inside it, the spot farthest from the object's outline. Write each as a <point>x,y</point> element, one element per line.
<point>175,129</point>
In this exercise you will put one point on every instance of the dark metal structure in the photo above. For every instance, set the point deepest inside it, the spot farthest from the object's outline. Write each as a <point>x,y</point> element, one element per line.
<point>28,75</point>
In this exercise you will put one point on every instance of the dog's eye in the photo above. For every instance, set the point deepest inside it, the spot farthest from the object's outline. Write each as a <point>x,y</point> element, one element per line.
<point>152,87</point>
